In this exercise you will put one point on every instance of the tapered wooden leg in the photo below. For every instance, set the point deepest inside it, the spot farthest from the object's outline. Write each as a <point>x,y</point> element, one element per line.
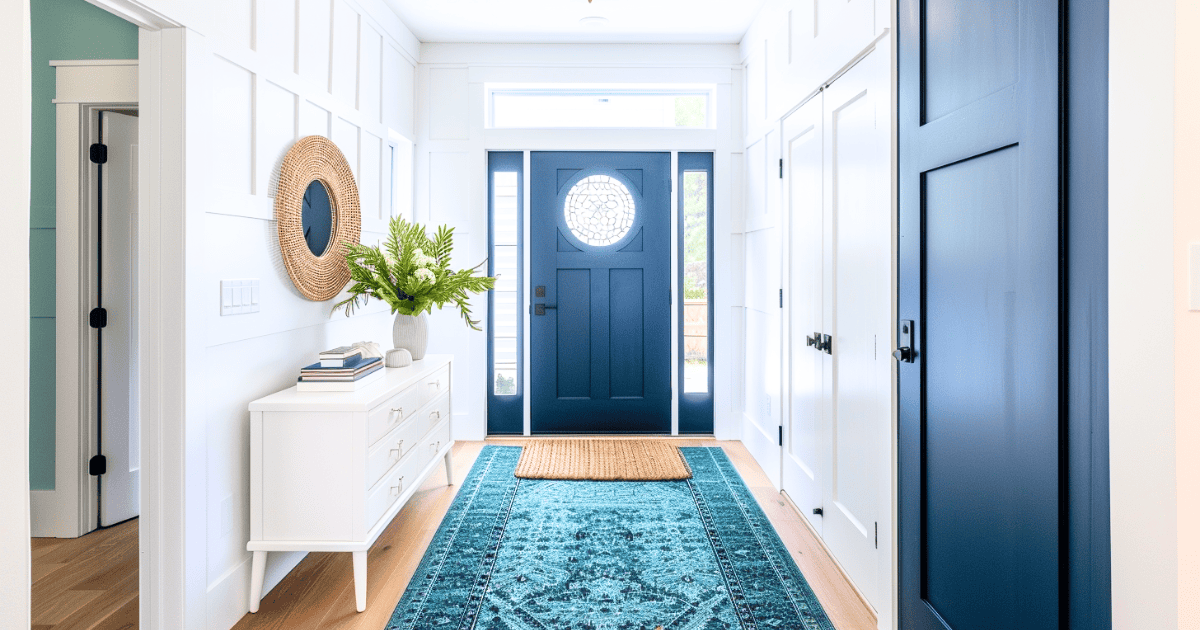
<point>449,468</point>
<point>257,569</point>
<point>360,580</point>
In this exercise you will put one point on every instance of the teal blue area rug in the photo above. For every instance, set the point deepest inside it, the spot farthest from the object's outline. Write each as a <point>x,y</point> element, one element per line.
<point>523,554</point>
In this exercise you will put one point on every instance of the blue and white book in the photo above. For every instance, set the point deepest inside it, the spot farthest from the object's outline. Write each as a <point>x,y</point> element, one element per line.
<point>350,361</point>
<point>316,372</point>
<point>340,386</point>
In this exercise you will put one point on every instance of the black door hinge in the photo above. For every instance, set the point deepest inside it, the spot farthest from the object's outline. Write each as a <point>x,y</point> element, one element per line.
<point>780,168</point>
<point>781,298</point>
<point>98,153</point>
<point>819,511</point>
<point>98,318</point>
<point>97,466</point>
<point>876,534</point>
<point>781,435</point>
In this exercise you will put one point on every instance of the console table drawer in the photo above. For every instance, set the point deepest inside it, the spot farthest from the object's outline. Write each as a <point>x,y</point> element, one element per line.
<point>405,473</point>
<point>435,384</point>
<point>393,448</point>
<point>392,413</point>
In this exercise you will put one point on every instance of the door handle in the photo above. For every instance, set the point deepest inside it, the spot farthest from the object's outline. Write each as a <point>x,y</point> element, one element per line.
<point>810,342</point>
<point>540,309</point>
<point>906,353</point>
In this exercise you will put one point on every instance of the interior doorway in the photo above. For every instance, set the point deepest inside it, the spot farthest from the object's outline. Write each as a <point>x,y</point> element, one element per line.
<point>85,546</point>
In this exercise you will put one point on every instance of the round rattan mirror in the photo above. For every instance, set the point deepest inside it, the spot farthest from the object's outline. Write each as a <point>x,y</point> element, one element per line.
<point>314,168</point>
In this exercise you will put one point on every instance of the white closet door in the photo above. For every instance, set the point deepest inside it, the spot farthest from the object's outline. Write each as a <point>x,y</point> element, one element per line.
<point>764,350</point>
<point>119,486</point>
<point>857,310</point>
<point>805,436</point>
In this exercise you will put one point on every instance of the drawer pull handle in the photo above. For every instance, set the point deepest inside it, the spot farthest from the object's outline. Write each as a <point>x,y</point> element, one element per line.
<point>437,415</point>
<point>398,410</point>
<point>436,447</point>
<point>399,485</point>
<point>437,383</point>
<point>399,450</point>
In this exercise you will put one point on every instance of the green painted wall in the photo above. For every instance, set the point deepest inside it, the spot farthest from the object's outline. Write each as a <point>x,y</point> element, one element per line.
<point>61,29</point>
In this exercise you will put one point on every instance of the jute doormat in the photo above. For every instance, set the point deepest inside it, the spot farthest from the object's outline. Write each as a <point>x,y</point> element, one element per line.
<point>602,460</point>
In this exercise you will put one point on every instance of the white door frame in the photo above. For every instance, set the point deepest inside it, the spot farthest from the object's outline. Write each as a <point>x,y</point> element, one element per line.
<point>83,89</point>
<point>162,61</point>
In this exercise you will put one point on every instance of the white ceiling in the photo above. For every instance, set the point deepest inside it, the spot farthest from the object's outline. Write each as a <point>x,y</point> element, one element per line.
<point>558,21</point>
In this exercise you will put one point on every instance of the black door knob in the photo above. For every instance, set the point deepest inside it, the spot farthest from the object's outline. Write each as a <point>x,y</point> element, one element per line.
<point>905,355</point>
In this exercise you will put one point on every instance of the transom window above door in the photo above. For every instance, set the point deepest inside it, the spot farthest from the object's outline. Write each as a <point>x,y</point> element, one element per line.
<point>599,106</point>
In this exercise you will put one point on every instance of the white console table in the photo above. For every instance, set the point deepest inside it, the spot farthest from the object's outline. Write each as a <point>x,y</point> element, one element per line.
<point>330,470</point>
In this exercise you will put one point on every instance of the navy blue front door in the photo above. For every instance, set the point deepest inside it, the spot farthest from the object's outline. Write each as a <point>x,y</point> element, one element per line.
<point>601,292</point>
<point>982,513</point>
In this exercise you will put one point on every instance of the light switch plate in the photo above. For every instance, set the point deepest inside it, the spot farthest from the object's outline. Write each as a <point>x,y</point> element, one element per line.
<point>1194,276</point>
<point>239,297</point>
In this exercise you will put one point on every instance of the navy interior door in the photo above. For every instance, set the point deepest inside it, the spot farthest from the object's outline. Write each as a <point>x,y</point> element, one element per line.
<point>981,405</point>
<point>600,276</point>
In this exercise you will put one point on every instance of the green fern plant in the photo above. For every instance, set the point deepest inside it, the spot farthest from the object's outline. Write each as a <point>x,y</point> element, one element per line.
<point>411,273</point>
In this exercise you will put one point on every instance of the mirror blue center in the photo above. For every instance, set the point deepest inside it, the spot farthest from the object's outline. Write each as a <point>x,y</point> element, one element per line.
<point>316,218</point>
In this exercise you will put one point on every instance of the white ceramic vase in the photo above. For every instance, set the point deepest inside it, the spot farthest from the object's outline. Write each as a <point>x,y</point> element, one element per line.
<point>412,334</point>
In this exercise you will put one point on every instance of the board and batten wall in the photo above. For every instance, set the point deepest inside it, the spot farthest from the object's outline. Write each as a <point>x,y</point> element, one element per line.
<point>791,50</point>
<point>258,75</point>
<point>451,176</point>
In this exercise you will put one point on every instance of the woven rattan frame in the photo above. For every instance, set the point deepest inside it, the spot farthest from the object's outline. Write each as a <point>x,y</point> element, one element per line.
<point>318,278</point>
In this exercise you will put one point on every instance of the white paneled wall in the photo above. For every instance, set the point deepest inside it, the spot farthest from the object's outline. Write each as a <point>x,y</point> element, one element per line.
<point>793,50</point>
<point>261,74</point>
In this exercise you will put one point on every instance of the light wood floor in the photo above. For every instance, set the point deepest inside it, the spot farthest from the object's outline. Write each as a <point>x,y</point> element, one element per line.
<point>319,593</point>
<point>87,583</point>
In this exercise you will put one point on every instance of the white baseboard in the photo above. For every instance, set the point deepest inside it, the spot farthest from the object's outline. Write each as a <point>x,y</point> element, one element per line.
<point>763,447</point>
<point>46,519</point>
<point>228,597</point>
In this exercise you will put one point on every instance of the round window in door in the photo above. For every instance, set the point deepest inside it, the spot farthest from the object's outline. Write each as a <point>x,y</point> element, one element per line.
<point>599,210</point>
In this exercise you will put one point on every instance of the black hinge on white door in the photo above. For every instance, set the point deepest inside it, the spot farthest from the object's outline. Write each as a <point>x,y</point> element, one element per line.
<point>781,298</point>
<point>98,153</point>
<point>781,435</point>
<point>780,168</point>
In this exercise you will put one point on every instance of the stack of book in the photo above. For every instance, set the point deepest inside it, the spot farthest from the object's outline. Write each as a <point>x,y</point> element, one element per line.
<point>341,369</point>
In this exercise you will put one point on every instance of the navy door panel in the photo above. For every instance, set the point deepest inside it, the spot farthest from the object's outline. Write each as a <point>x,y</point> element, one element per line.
<point>982,506</point>
<point>600,327</point>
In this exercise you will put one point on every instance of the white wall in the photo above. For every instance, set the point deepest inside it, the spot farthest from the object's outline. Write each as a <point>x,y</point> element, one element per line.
<point>451,180</point>
<point>15,136</point>
<point>792,49</point>
<point>1142,378</point>
<point>1187,321</point>
<point>257,75</point>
